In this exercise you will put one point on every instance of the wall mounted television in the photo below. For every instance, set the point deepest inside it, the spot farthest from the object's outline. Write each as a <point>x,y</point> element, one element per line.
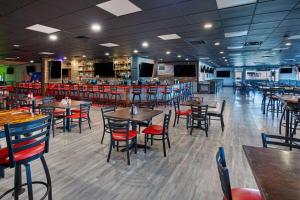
<point>286,70</point>
<point>10,70</point>
<point>104,69</point>
<point>223,74</point>
<point>146,69</point>
<point>184,70</point>
<point>55,69</point>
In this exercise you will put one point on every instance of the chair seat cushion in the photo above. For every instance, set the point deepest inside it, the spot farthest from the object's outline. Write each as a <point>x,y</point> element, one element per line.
<point>77,116</point>
<point>153,130</point>
<point>24,108</point>
<point>120,135</point>
<point>21,155</point>
<point>56,112</point>
<point>75,110</point>
<point>183,112</point>
<point>275,97</point>
<point>245,194</point>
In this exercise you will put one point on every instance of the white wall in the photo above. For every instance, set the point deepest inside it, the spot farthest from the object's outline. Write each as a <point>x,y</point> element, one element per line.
<point>291,76</point>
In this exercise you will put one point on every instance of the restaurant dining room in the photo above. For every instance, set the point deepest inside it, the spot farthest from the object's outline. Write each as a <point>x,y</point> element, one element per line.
<point>150,99</point>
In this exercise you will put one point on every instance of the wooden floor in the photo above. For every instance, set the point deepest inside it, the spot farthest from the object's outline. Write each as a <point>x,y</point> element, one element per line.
<point>79,169</point>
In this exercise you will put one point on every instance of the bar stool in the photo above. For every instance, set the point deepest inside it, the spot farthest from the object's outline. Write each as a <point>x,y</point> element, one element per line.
<point>152,94</point>
<point>115,94</point>
<point>167,95</point>
<point>136,91</point>
<point>22,150</point>
<point>103,94</point>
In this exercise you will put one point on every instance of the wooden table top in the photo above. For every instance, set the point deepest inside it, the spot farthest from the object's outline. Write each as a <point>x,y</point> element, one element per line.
<point>210,104</point>
<point>277,172</point>
<point>73,104</point>
<point>143,114</point>
<point>289,99</point>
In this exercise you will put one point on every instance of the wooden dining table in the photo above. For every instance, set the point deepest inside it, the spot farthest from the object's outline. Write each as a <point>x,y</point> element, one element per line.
<point>276,172</point>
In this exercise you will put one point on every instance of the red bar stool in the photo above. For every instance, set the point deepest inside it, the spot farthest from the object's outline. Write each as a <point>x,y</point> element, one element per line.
<point>115,94</point>
<point>159,132</point>
<point>22,150</point>
<point>103,94</point>
<point>74,91</point>
<point>233,193</point>
<point>166,94</point>
<point>152,94</point>
<point>136,91</point>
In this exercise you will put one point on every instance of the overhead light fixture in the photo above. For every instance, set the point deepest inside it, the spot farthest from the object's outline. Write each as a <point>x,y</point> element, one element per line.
<point>232,3</point>
<point>186,59</point>
<point>42,29</point>
<point>65,58</point>
<point>235,47</point>
<point>179,56</point>
<point>18,57</point>
<point>168,52</point>
<point>208,25</point>
<point>135,51</point>
<point>53,37</point>
<point>145,44</point>
<point>169,37</point>
<point>109,44</point>
<point>96,27</point>
<point>16,45</point>
<point>32,61</point>
<point>46,53</point>
<point>84,56</point>
<point>235,54</point>
<point>288,44</point>
<point>107,54</point>
<point>221,52</point>
<point>204,58</point>
<point>119,7</point>
<point>236,34</point>
<point>160,59</point>
<point>294,37</point>
<point>217,43</point>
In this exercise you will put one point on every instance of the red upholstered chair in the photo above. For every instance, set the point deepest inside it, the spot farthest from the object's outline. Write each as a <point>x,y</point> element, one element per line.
<point>233,193</point>
<point>184,114</point>
<point>26,142</point>
<point>119,132</point>
<point>159,132</point>
<point>83,115</point>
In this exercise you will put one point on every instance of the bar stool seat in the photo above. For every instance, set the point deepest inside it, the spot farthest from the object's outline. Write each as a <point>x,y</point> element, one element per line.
<point>245,194</point>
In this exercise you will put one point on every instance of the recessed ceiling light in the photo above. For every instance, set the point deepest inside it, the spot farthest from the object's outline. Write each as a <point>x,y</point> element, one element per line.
<point>236,34</point>
<point>186,59</point>
<point>168,52</point>
<point>32,61</point>
<point>217,43</point>
<point>221,52</point>
<point>109,44</point>
<point>119,8</point>
<point>135,51</point>
<point>43,29</point>
<point>160,59</point>
<point>96,27</point>
<point>84,56</point>
<point>53,37</point>
<point>145,44</point>
<point>232,3</point>
<point>46,53</point>
<point>18,57</point>
<point>288,44</point>
<point>208,25</point>
<point>169,37</point>
<point>179,56</point>
<point>107,54</point>
<point>235,47</point>
<point>16,45</point>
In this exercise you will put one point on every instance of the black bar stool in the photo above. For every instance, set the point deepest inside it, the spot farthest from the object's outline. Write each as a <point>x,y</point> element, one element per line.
<point>136,91</point>
<point>152,94</point>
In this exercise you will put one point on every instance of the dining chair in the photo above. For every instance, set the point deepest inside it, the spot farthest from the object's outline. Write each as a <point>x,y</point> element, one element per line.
<point>26,142</point>
<point>280,141</point>
<point>183,114</point>
<point>82,116</point>
<point>232,193</point>
<point>146,105</point>
<point>217,115</point>
<point>104,119</point>
<point>199,118</point>
<point>119,132</point>
<point>57,118</point>
<point>159,132</point>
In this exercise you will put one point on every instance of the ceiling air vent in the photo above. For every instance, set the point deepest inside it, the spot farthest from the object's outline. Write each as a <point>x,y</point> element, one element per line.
<point>252,44</point>
<point>198,42</point>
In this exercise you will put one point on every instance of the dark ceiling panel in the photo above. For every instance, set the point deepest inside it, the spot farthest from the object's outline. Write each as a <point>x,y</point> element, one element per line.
<point>269,17</point>
<point>237,21</point>
<point>239,11</point>
<point>275,6</point>
<point>265,25</point>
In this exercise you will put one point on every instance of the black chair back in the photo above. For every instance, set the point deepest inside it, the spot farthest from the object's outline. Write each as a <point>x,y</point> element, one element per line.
<point>48,110</point>
<point>223,173</point>
<point>119,126</point>
<point>148,105</point>
<point>85,110</point>
<point>199,112</point>
<point>223,106</point>
<point>176,103</point>
<point>107,110</point>
<point>280,141</point>
<point>166,122</point>
<point>23,136</point>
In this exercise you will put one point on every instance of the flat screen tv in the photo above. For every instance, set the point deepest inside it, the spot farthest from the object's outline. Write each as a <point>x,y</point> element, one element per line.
<point>55,69</point>
<point>65,72</point>
<point>10,70</point>
<point>30,69</point>
<point>104,69</point>
<point>146,69</point>
<point>286,70</point>
<point>223,74</point>
<point>184,70</point>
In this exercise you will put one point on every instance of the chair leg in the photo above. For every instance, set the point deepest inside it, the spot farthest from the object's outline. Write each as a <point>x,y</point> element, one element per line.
<point>222,123</point>
<point>146,139</point>
<point>164,146</point>
<point>29,181</point>
<point>168,140</point>
<point>175,120</point>
<point>110,149</point>
<point>17,187</point>
<point>89,121</point>
<point>80,124</point>
<point>103,136</point>
<point>48,177</point>
<point>206,127</point>
<point>187,121</point>
<point>127,152</point>
<point>135,145</point>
